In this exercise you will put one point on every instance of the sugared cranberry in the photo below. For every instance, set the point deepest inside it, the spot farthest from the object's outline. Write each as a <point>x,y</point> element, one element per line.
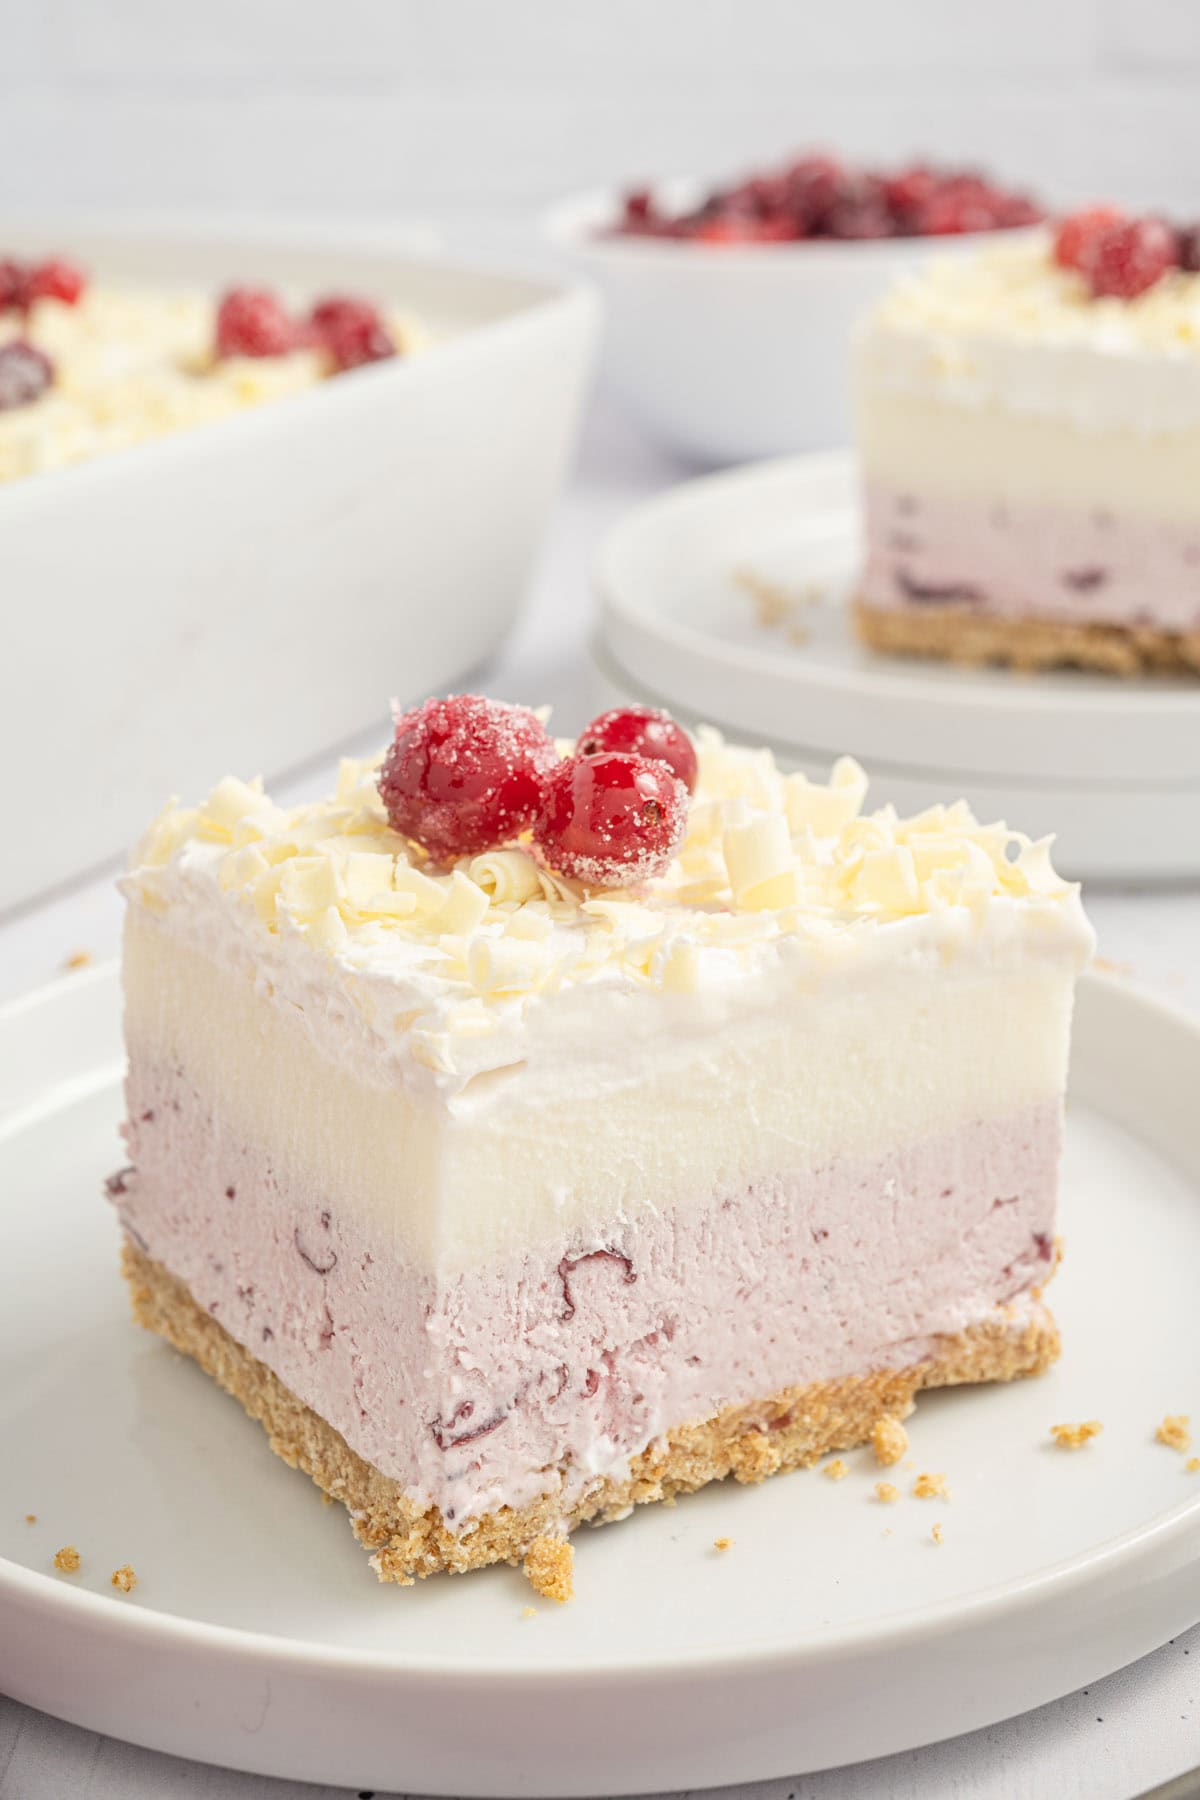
<point>611,819</point>
<point>254,322</point>
<point>642,731</point>
<point>465,774</point>
<point>958,207</point>
<point>55,280</point>
<point>14,278</point>
<point>639,207</point>
<point>1128,259</point>
<point>813,186</point>
<point>1189,249</point>
<point>1080,232</point>
<point>351,331</point>
<point>25,374</point>
<point>908,190</point>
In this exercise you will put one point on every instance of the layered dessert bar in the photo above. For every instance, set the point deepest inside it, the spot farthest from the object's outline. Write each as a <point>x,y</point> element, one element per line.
<point>526,1131</point>
<point>1029,430</point>
<point>86,369</point>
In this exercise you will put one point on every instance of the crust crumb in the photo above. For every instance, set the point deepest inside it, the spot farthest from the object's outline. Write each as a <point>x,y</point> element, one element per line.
<point>78,959</point>
<point>124,1578</point>
<point>754,1457</point>
<point>722,1543</point>
<point>1174,1433</point>
<point>887,1492</point>
<point>1192,1464</point>
<point>938,1535</point>
<point>1074,1437</point>
<point>889,1441</point>
<point>390,1565</point>
<point>549,1563</point>
<point>836,1470</point>
<point>931,1487</point>
<point>31,1518</point>
<point>67,1559</point>
<point>529,1612</point>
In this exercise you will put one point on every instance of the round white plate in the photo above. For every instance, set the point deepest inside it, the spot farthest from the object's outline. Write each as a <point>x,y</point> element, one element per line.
<point>833,1629</point>
<point>1113,764</point>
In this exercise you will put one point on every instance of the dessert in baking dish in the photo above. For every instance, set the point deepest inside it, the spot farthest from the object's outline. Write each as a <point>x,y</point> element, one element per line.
<point>86,369</point>
<point>522,1133</point>
<point>1029,429</point>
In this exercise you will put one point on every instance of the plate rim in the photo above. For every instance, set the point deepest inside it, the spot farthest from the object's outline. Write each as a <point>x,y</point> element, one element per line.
<point>146,1628</point>
<point>1007,699</point>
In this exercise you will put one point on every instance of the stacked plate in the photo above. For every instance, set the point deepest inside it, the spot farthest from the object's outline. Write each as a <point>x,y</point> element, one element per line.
<point>727,599</point>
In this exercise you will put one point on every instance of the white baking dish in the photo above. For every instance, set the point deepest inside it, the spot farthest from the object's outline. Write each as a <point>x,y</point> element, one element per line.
<point>245,595</point>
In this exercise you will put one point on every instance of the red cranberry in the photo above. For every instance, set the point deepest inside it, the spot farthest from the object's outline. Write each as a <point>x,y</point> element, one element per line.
<point>465,774</point>
<point>639,207</point>
<point>909,190</point>
<point>1189,249</point>
<point>611,820</point>
<point>55,280</point>
<point>14,279</point>
<point>25,374</point>
<point>1079,233</point>
<point>813,185</point>
<point>642,731</point>
<point>351,331</point>
<point>253,322</point>
<point>1128,259</point>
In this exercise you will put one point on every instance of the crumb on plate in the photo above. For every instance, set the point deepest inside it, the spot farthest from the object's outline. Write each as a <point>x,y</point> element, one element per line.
<point>78,959</point>
<point>938,1535</point>
<point>722,1543</point>
<point>1192,1464</point>
<point>67,1559</point>
<point>124,1578</point>
<point>529,1612</point>
<point>836,1470</point>
<point>1074,1437</point>
<point>1174,1433</point>
<point>931,1487</point>
<point>889,1441</point>
<point>31,1518</point>
<point>548,1565</point>
<point>887,1492</point>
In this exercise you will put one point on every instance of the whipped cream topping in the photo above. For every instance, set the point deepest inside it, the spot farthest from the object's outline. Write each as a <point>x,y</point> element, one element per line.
<point>452,972</point>
<point>133,364</point>
<point>1008,328</point>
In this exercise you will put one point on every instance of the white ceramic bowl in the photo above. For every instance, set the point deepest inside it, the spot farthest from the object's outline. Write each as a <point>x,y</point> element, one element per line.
<point>248,594</point>
<point>733,352</point>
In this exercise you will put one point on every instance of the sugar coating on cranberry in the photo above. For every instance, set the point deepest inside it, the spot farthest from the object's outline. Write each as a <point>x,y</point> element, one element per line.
<point>1129,258</point>
<point>611,820</point>
<point>1078,234</point>
<point>465,774</point>
<point>351,331</point>
<point>254,322</point>
<point>25,374</point>
<point>643,731</point>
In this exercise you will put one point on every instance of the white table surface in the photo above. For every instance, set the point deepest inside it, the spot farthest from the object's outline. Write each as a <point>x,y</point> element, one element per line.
<point>1111,1742</point>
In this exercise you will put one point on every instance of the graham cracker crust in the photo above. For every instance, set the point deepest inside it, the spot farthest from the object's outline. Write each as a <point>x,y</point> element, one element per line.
<point>784,1431</point>
<point>960,634</point>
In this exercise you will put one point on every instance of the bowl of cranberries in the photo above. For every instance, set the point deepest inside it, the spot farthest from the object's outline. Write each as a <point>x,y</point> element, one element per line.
<point>731,308</point>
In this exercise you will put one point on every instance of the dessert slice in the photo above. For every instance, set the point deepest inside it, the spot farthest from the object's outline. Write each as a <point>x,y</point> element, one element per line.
<point>679,1136</point>
<point>1029,429</point>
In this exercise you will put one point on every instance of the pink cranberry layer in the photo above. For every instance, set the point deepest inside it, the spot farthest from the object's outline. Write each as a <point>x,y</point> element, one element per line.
<point>821,196</point>
<point>490,1385</point>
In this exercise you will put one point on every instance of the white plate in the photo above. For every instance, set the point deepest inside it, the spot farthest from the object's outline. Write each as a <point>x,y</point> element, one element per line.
<point>250,593</point>
<point>1115,763</point>
<point>834,1629</point>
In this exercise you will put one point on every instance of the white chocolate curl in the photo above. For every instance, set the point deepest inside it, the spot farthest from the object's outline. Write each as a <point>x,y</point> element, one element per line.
<point>506,875</point>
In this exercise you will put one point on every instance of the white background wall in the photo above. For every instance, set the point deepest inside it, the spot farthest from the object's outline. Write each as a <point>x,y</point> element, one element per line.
<point>426,107</point>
